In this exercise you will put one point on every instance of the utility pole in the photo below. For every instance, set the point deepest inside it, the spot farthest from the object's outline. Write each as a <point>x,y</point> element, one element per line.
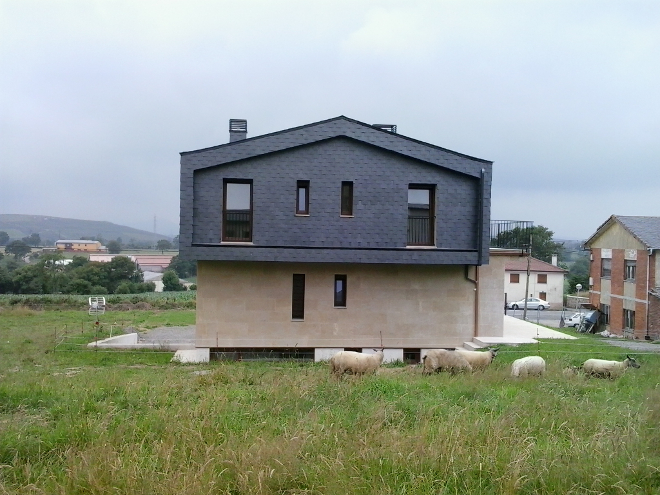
<point>529,260</point>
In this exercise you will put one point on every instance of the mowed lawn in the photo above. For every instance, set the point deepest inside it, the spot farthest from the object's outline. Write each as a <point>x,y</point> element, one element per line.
<point>74,421</point>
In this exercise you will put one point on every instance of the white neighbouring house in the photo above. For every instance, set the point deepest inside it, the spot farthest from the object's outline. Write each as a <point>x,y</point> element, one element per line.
<point>546,281</point>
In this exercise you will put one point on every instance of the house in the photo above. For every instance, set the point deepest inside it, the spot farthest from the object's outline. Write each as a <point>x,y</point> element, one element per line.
<point>339,235</point>
<point>153,262</point>
<point>81,245</point>
<point>624,275</point>
<point>546,281</point>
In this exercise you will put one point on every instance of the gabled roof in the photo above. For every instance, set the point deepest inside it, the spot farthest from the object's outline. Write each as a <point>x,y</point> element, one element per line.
<point>645,229</point>
<point>328,129</point>
<point>520,265</point>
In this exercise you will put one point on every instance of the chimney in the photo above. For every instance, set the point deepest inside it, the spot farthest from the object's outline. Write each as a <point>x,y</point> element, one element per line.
<point>237,129</point>
<point>385,127</point>
<point>554,259</point>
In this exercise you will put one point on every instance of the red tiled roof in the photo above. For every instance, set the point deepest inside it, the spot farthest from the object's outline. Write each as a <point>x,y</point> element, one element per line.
<point>520,265</point>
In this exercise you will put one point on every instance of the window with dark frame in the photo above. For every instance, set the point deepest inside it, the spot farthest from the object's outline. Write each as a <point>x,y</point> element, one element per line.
<point>340,291</point>
<point>514,278</point>
<point>298,297</point>
<point>302,198</point>
<point>630,270</point>
<point>347,198</point>
<point>237,210</point>
<point>541,278</point>
<point>628,319</point>
<point>421,215</point>
<point>606,267</point>
<point>605,314</point>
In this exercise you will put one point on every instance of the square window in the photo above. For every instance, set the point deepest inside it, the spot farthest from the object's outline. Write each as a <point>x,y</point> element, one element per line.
<point>514,278</point>
<point>340,291</point>
<point>606,267</point>
<point>302,198</point>
<point>542,278</point>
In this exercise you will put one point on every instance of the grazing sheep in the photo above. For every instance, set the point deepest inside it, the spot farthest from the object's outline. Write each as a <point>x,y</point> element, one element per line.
<point>444,360</point>
<point>528,366</point>
<point>477,359</point>
<point>608,369</point>
<point>355,363</point>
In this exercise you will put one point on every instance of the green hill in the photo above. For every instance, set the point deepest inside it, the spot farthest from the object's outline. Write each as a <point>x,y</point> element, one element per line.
<point>51,229</point>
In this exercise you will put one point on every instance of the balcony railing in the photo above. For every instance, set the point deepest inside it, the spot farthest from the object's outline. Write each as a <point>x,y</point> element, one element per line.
<point>237,226</point>
<point>420,231</point>
<point>510,234</point>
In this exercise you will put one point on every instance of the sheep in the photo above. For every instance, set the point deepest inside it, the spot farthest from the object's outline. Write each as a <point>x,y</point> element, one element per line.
<point>355,363</point>
<point>477,359</point>
<point>608,369</point>
<point>528,366</point>
<point>444,360</point>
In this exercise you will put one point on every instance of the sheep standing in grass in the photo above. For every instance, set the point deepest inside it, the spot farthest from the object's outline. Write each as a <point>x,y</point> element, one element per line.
<point>444,360</point>
<point>608,369</point>
<point>355,363</point>
<point>478,360</point>
<point>528,366</point>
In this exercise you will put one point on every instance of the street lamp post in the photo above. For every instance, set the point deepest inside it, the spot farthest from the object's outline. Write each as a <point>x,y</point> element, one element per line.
<point>579,288</point>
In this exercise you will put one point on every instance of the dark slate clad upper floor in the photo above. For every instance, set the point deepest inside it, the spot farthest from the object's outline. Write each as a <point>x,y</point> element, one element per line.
<point>314,160</point>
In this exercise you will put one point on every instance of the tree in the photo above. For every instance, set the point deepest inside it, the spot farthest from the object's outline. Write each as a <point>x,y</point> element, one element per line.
<point>163,244</point>
<point>114,247</point>
<point>18,249</point>
<point>32,240</point>
<point>4,238</point>
<point>183,268</point>
<point>578,273</point>
<point>171,282</point>
<point>543,247</point>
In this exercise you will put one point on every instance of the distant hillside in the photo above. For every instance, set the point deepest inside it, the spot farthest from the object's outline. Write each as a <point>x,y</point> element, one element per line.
<point>54,228</point>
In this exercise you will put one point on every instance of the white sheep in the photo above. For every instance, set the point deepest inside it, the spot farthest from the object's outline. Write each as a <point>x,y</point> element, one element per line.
<point>528,366</point>
<point>444,360</point>
<point>478,360</point>
<point>355,363</point>
<point>608,369</point>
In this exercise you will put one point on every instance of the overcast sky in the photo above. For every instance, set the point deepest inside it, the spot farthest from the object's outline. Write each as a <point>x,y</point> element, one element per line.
<point>97,98</point>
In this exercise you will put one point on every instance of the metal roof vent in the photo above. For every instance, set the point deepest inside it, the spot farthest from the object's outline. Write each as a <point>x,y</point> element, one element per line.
<point>385,127</point>
<point>237,129</point>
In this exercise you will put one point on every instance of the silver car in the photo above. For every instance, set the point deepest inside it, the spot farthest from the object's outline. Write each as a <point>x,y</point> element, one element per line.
<point>532,303</point>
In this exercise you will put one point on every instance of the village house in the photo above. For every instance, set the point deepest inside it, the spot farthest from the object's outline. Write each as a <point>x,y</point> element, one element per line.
<point>339,235</point>
<point>546,281</point>
<point>624,275</point>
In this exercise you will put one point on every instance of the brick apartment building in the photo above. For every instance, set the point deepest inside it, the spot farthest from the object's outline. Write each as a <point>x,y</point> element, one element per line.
<point>624,275</point>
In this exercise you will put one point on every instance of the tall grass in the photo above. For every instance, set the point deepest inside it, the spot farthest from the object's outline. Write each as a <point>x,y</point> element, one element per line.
<point>287,428</point>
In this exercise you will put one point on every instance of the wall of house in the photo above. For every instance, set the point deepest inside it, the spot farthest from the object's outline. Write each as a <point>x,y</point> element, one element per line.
<point>378,227</point>
<point>248,304</point>
<point>615,291</point>
<point>554,288</point>
<point>491,294</point>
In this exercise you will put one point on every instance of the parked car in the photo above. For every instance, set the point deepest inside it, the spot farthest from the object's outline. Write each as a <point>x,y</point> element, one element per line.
<point>532,303</point>
<point>574,320</point>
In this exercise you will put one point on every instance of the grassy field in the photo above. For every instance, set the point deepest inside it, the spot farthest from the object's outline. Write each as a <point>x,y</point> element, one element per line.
<point>87,422</point>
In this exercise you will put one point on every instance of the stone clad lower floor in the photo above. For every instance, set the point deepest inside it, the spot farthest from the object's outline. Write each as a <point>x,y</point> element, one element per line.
<point>403,308</point>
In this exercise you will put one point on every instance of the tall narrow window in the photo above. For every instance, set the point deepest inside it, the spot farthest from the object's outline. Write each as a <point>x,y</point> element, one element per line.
<point>630,270</point>
<point>347,199</point>
<point>340,291</point>
<point>298,297</point>
<point>606,267</point>
<point>237,211</point>
<point>628,319</point>
<point>605,314</point>
<point>421,215</point>
<point>302,198</point>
